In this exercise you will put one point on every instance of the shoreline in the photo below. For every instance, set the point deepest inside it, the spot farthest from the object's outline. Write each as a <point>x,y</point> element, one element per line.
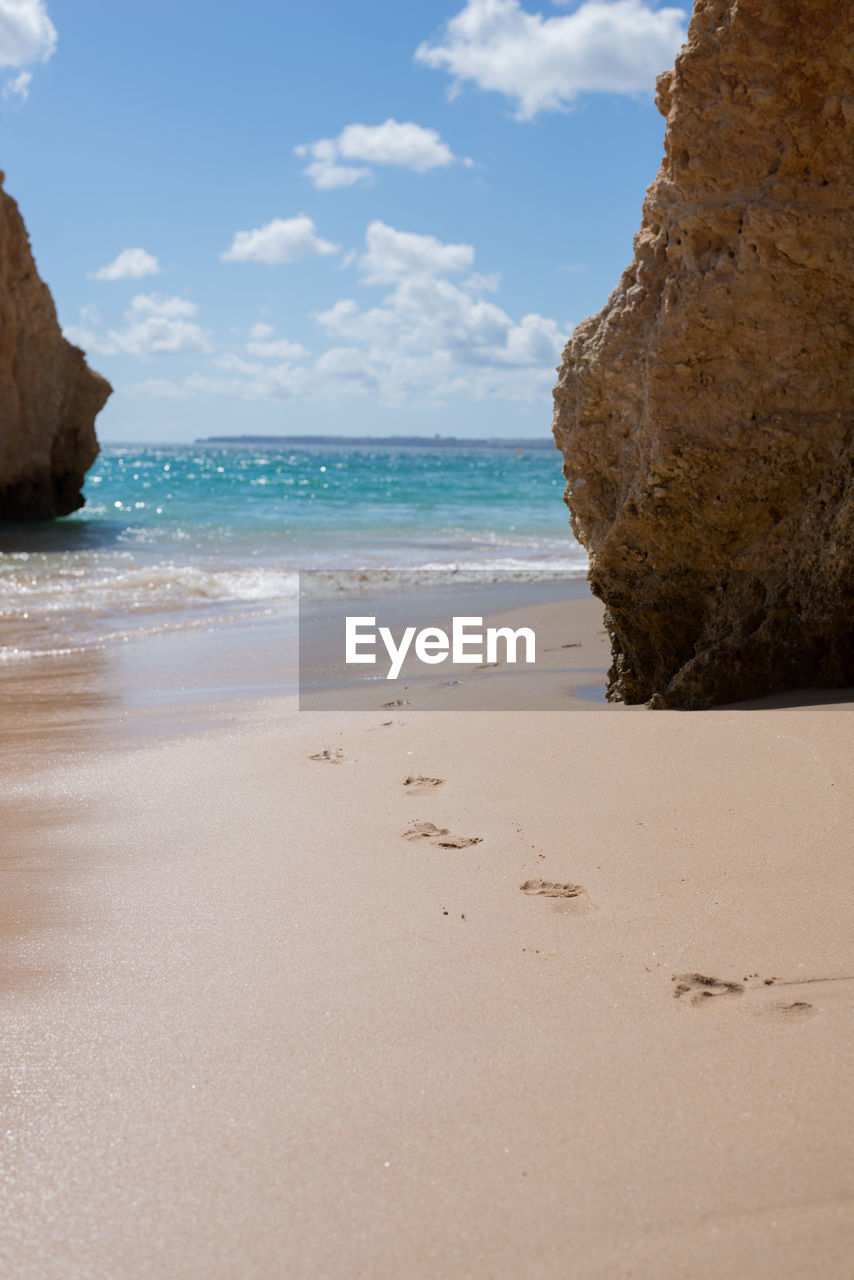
<point>262,1017</point>
<point>189,670</point>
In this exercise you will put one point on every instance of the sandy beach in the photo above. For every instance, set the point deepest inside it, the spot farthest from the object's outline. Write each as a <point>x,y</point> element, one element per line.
<point>576,1000</point>
<point>347,930</point>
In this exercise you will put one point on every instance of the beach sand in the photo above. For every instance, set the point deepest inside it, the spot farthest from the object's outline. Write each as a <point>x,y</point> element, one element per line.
<point>267,1013</point>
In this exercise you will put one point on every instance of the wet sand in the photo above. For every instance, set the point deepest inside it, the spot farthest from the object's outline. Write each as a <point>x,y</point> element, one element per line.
<point>577,999</point>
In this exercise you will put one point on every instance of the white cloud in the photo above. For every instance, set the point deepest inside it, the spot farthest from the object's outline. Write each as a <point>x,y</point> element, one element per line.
<point>324,170</point>
<point>154,327</point>
<point>478,283</point>
<point>18,87</point>
<point>395,143</point>
<point>264,346</point>
<point>542,64</point>
<point>130,264</point>
<point>231,362</point>
<point>152,304</point>
<point>392,255</point>
<point>26,33</point>
<point>407,145</point>
<point>261,331</point>
<point>282,240</point>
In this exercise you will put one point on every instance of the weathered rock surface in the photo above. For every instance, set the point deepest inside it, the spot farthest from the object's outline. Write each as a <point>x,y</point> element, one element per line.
<point>706,414</point>
<point>49,397</point>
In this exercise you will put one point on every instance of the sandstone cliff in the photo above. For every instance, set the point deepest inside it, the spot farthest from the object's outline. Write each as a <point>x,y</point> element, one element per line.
<point>49,397</point>
<point>706,415</point>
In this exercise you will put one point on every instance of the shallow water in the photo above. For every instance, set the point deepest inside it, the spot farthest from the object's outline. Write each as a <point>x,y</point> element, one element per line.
<point>196,536</point>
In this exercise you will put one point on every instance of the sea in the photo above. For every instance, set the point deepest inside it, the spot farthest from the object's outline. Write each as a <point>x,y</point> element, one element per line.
<point>176,537</point>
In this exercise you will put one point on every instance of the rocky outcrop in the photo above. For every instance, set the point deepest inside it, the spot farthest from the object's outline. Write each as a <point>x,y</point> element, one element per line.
<point>706,414</point>
<point>49,397</point>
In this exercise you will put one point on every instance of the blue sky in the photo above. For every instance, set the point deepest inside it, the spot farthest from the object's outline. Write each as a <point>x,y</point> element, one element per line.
<point>290,218</point>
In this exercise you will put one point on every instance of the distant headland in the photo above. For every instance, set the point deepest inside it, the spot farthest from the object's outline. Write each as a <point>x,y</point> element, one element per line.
<point>387,442</point>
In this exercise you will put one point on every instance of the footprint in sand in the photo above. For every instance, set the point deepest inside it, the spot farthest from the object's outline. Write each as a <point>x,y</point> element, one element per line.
<point>440,836</point>
<point>793,1012</point>
<point>697,987</point>
<point>420,786</point>
<point>396,702</point>
<point>333,755</point>
<point>573,897</point>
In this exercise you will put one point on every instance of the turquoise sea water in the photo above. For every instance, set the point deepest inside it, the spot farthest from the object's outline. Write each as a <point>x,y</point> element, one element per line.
<point>200,535</point>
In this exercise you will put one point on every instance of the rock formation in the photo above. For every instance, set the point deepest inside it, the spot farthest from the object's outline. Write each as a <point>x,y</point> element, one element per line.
<point>49,397</point>
<point>706,414</point>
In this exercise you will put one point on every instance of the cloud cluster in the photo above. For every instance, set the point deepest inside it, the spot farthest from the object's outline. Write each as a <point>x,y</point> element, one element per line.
<point>428,322</point>
<point>154,326</point>
<point>282,240</point>
<point>542,64</point>
<point>404,144</point>
<point>130,264</point>
<point>429,339</point>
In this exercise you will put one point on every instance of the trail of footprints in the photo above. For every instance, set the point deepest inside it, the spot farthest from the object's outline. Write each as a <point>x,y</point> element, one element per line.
<point>420,785</point>
<point>690,988</point>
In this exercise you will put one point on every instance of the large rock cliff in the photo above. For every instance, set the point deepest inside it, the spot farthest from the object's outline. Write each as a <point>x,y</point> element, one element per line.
<point>706,414</point>
<point>49,397</point>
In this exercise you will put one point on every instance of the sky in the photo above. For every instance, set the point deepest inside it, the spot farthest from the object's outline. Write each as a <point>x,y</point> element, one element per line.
<point>278,217</point>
